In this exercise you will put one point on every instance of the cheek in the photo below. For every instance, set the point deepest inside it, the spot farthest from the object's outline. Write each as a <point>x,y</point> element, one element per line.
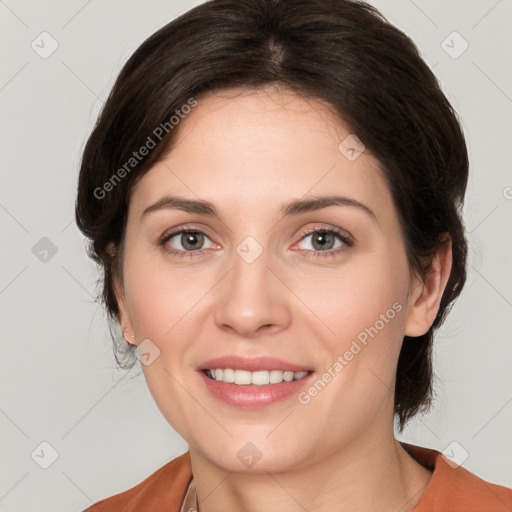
<point>359,359</point>
<point>162,295</point>
<point>367,293</point>
<point>363,309</point>
<point>164,308</point>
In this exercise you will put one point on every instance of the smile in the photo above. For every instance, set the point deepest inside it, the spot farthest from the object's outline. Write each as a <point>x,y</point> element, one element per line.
<point>257,378</point>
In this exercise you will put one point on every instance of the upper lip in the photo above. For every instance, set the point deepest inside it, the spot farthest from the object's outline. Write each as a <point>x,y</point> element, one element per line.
<point>252,364</point>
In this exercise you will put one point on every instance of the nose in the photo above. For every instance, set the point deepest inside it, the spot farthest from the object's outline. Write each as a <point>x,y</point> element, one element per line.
<point>252,300</point>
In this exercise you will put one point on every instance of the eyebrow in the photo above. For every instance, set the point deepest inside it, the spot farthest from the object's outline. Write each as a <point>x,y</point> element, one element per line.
<point>295,207</point>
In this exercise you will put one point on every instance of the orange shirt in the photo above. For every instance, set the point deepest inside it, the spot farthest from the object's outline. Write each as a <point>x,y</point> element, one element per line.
<point>449,490</point>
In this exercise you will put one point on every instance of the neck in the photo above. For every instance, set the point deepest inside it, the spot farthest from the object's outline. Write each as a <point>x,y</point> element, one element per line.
<point>363,476</point>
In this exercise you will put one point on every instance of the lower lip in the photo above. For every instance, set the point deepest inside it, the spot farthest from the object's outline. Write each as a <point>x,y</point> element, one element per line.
<point>250,396</point>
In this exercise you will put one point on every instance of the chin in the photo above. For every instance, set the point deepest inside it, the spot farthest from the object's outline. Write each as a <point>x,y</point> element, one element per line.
<point>257,456</point>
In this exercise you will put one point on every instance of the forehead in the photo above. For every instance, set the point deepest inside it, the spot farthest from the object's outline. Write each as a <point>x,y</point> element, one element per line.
<point>246,149</point>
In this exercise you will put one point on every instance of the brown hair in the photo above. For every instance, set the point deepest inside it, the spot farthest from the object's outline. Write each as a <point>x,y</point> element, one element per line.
<point>341,51</point>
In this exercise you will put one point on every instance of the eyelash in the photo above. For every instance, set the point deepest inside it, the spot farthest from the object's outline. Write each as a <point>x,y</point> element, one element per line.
<point>348,242</point>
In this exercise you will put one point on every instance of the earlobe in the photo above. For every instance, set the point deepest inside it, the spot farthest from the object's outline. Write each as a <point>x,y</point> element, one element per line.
<point>426,295</point>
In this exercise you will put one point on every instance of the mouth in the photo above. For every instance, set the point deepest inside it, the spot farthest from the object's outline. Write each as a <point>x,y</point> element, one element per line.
<point>253,382</point>
<point>257,378</point>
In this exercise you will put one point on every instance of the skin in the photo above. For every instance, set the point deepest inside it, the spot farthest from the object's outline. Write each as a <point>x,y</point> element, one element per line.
<point>248,152</point>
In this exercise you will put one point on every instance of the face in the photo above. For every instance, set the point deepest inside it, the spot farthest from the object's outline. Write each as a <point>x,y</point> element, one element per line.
<point>269,290</point>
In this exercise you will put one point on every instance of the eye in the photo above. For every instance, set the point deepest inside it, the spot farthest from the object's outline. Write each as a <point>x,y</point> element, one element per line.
<point>186,242</point>
<point>189,242</point>
<point>323,241</point>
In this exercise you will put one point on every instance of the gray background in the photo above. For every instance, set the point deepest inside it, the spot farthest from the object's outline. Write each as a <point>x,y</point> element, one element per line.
<point>58,379</point>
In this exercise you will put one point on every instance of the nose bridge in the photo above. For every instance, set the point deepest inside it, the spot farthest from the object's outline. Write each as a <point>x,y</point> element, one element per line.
<point>249,297</point>
<point>250,262</point>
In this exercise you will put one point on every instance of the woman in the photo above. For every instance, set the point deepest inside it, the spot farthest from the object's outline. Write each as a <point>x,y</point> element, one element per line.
<point>274,192</point>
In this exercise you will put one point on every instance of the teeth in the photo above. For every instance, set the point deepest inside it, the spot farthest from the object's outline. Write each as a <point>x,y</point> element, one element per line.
<point>287,376</point>
<point>241,377</point>
<point>259,378</point>
<point>228,375</point>
<point>275,376</point>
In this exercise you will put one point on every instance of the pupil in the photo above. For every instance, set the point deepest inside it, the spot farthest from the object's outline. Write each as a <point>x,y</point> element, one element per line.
<point>191,240</point>
<point>324,239</point>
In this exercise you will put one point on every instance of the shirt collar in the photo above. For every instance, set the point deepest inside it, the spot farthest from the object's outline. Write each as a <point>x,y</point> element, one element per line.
<point>190,500</point>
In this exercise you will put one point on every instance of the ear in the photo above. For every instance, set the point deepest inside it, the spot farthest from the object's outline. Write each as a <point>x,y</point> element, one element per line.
<point>125,323</point>
<point>426,293</point>
<point>124,319</point>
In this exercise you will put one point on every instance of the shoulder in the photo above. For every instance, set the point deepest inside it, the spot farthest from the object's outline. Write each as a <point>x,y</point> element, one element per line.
<point>453,488</point>
<point>162,490</point>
